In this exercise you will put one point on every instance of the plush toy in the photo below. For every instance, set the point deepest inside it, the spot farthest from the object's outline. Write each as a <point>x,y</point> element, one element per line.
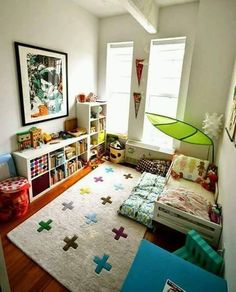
<point>176,175</point>
<point>210,181</point>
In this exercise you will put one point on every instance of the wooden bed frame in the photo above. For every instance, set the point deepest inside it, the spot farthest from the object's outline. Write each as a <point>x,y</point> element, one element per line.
<point>183,222</point>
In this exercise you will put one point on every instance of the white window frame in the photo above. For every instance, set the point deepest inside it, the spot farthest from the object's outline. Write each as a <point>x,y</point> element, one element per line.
<point>169,143</point>
<point>118,92</point>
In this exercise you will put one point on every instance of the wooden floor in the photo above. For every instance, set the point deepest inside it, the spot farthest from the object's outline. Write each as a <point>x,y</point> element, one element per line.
<point>26,276</point>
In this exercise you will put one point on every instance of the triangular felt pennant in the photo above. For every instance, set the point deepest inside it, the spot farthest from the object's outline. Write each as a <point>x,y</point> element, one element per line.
<point>139,69</point>
<point>137,99</point>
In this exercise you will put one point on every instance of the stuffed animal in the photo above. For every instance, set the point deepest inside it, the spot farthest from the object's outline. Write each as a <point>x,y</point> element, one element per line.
<point>210,181</point>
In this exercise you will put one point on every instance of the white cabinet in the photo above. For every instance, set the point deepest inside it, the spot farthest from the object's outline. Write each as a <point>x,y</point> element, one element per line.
<point>92,117</point>
<point>51,163</point>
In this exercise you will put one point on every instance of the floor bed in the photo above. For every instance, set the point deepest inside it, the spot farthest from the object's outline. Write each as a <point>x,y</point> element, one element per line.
<point>182,221</point>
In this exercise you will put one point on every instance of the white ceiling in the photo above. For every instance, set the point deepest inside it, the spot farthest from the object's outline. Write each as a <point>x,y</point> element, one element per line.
<point>105,8</point>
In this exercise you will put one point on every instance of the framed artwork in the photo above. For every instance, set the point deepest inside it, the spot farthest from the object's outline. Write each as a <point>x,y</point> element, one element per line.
<point>42,77</point>
<point>231,126</point>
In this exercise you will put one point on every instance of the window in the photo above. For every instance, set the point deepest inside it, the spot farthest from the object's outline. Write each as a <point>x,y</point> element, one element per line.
<point>118,82</point>
<point>164,75</point>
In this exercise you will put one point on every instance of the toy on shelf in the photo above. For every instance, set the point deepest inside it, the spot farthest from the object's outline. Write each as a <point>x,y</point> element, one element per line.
<point>80,97</point>
<point>72,129</point>
<point>46,137</point>
<point>64,135</point>
<point>91,97</point>
<point>55,136</point>
<point>23,140</point>
<point>29,138</point>
<point>36,136</point>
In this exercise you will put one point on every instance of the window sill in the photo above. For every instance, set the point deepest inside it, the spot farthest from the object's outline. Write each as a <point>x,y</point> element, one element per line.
<point>150,147</point>
<point>119,135</point>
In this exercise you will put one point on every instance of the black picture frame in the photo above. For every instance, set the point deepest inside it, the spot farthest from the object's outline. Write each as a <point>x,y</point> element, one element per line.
<point>43,83</point>
<point>231,125</point>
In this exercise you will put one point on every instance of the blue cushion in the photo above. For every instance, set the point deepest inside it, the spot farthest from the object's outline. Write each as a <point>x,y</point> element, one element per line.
<point>7,166</point>
<point>153,265</point>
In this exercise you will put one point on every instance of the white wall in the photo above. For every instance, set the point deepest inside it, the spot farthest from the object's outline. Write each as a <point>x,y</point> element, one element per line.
<point>227,175</point>
<point>54,24</point>
<point>213,58</point>
<point>211,68</point>
<point>175,21</point>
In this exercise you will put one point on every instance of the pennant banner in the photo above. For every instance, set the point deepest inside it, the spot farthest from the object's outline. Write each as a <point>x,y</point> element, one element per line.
<point>137,100</point>
<point>139,69</point>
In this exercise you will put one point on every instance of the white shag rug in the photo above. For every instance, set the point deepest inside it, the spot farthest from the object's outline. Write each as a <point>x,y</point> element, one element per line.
<point>94,260</point>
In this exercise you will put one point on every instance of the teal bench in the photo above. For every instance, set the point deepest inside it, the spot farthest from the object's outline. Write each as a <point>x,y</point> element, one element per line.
<point>199,252</point>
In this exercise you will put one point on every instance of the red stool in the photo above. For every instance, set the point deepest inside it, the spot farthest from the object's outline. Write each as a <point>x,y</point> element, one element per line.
<point>14,199</point>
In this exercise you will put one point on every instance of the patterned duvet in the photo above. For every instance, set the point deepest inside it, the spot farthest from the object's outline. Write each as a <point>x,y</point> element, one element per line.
<point>140,204</point>
<point>187,201</point>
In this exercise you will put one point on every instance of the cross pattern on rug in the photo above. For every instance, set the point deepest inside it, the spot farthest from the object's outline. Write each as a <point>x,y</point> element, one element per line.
<point>70,242</point>
<point>90,232</point>
<point>98,179</point>
<point>129,175</point>
<point>84,191</point>
<point>118,187</point>
<point>106,200</point>
<point>119,233</point>
<point>44,225</point>
<point>102,263</point>
<point>91,218</point>
<point>109,170</point>
<point>67,206</point>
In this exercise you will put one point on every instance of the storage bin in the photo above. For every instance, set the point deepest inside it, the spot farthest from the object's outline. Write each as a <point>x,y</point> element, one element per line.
<point>117,155</point>
<point>14,200</point>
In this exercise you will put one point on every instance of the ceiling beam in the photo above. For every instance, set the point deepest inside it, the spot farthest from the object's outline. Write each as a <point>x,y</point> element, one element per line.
<point>145,12</point>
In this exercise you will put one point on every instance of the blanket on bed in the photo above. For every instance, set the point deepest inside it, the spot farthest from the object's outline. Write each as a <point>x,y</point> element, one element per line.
<point>140,204</point>
<point>187,201</point>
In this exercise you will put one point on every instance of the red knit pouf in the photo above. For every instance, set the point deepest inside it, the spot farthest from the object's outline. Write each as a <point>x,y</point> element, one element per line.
<point>14,200</point>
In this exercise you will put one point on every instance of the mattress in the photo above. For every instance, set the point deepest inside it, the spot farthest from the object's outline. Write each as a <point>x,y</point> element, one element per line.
<point>191,186</point>
<point>140,203</point>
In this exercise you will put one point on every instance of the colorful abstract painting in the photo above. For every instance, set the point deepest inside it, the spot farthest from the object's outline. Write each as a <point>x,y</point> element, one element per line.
<point>42,75</point>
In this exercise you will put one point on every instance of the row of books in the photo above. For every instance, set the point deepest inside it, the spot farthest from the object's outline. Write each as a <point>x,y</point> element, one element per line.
<point>57,175</point>
<point>71,167</point>
<point>82,146</point>
<point>70,151</point>
<point>57,158</point>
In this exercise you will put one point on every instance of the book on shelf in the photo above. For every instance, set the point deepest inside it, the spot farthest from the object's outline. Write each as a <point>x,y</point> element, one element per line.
<point>70,151</point>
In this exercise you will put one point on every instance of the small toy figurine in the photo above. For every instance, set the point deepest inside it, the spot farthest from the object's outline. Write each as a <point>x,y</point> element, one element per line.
<point>36,136</point>
<point>215,213</point>
<point>23,140</point>
<point>46,137</point>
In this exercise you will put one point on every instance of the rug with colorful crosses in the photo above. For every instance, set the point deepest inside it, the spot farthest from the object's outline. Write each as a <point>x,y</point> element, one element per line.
<point>79,238</point>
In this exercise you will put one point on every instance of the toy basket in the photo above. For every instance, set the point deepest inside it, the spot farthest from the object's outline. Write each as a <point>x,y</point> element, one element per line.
<point>117,155</point>
<point>14,200</point>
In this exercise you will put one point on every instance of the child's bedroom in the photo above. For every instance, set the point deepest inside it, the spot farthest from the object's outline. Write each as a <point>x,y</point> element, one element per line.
<point>118,145</point>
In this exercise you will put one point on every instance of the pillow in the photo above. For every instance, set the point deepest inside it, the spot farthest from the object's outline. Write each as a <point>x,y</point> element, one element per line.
<point>159,167</point>
<point>188,167</point>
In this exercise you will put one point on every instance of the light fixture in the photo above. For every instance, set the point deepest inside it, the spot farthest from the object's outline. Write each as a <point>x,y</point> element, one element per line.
<point>212,125</point>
